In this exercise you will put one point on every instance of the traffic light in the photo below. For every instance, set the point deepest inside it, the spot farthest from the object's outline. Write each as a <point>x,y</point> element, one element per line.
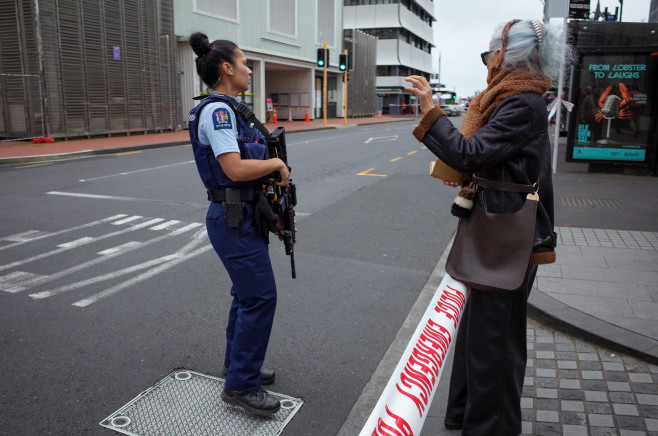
<point>323,54</point>
<point>342,62</point>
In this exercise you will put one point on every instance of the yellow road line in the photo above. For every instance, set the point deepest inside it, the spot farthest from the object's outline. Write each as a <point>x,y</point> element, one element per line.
<point>35,165</point>
<point>423,148</point>
<point>396,159</point>
<point>127,152</point>
<point>412,152</point>
<point>365,173</point>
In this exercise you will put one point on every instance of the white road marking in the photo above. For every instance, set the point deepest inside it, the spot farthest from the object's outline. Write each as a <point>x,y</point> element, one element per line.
<point>165,225</point>
<point>186,228</point>
<point>20,237</point>
<point>381,139</point>
<point>12,284</point>
<point>137,171</point>
<point>77,242</point>
<point>181,255</point>
<point>155,271</point>
<point>103,277</point>
<point>62,249</point>
<point>127,220</point>
<point>104,220</point>
<point>118,248</point>
<point>112,197</point>
<point>102,197</point>
<point>197,239</point>
<point>16,277</point>
<point>30,283</point>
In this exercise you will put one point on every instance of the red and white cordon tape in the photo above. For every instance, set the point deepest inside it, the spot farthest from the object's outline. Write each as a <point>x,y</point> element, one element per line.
<point>403,406</point>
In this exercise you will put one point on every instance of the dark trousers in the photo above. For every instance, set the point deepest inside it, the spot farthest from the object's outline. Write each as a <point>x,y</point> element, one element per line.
<point>246,258</point>
<point>489,363</point>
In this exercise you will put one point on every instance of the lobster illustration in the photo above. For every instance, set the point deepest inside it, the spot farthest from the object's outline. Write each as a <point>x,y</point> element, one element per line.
<point>612,106</point>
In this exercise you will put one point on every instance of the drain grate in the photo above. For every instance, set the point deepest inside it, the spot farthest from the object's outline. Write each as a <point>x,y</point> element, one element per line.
<point>595,203</point>
<point>189,403</point>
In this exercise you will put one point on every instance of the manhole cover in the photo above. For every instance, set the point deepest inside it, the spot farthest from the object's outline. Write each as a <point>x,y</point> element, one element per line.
<point>189,403</point>
<point>596,203</point>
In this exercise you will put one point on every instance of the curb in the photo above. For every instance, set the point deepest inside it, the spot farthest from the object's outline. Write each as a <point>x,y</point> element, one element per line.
<point>88,153</point>
<point>558,315</point>
<point>371,392</point>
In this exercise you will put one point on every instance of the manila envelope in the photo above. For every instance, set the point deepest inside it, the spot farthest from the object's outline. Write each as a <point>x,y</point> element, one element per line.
<point>439,170</point>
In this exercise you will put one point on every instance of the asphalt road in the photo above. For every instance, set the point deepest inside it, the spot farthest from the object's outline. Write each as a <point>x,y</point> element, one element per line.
<point>95,310</point>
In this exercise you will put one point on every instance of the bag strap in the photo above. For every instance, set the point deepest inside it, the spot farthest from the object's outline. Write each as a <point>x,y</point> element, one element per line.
<point>503,186</point>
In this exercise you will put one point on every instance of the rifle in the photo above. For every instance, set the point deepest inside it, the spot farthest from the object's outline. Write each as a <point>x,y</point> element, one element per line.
<point>282,199</point>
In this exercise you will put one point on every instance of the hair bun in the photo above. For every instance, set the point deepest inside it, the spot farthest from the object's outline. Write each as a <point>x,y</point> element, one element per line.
<point>199,43</point>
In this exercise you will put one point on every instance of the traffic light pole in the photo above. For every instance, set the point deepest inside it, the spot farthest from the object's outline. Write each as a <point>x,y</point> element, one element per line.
<point>324,87</point>
<point>345,94</point>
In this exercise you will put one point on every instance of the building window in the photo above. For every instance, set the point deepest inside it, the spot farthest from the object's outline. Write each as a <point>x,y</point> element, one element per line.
<point>283,17</point>
<point>223,9</point>
<point>326,20</point>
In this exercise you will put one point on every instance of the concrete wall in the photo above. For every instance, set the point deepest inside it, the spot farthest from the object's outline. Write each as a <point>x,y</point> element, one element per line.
<point>280,38</point>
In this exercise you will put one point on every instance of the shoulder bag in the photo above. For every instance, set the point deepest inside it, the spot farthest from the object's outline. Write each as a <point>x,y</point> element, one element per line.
<point>492,251</point>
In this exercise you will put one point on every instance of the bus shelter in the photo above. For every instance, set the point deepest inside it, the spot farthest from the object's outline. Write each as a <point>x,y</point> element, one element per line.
<point>615,88</point>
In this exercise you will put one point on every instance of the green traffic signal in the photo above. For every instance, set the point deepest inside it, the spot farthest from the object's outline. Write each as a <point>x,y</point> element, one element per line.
<point>321,57</point>
<point>342,62</point>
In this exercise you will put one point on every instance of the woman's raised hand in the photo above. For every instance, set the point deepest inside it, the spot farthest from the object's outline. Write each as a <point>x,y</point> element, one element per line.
<point>422,90</point>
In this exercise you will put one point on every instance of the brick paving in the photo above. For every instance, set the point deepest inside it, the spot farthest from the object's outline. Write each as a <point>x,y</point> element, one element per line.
<point>607,238</point>
<point>575,388</point>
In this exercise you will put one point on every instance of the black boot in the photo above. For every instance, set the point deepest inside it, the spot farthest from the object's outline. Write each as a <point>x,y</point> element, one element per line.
<point>256,402</point>
<point>267,375</point>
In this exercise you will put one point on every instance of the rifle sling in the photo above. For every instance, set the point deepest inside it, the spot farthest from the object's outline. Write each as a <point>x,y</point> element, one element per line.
<point>248,114</point>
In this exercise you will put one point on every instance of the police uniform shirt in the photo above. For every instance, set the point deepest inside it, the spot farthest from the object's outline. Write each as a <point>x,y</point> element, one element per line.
<point>218,128</point>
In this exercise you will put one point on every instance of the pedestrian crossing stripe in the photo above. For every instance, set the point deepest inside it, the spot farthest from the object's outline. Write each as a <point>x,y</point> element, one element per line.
<point>24,280</point>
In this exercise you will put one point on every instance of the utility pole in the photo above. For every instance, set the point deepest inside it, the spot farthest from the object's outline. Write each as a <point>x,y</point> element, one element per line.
<point>558,99</point>
<point>324,87</point>
<point>621,9</point>
<point>345,89</point>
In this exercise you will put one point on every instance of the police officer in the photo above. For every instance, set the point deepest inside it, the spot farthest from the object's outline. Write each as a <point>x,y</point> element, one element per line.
<point>231,156</point>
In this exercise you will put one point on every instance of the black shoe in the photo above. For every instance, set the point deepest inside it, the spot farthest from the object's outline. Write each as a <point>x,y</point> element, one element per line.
<point>256,402</point>
<point>267,375</point>
<point>452,425</point>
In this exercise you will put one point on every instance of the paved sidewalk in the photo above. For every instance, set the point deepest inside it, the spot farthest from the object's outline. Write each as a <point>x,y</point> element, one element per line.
<point>574,388</point>
<point>603,287</point>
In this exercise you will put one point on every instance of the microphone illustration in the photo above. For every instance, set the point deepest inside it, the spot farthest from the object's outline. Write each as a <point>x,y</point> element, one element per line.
<point>610,105</point>
<point>609,110</point>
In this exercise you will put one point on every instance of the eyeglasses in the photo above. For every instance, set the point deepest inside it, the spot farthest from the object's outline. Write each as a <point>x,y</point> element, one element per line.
<point>485,56</point>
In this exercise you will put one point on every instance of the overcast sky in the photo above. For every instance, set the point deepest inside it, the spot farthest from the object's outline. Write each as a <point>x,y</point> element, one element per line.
<point>464,27</point>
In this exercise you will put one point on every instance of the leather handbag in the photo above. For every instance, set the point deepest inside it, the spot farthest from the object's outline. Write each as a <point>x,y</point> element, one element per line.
<point>491,252</point>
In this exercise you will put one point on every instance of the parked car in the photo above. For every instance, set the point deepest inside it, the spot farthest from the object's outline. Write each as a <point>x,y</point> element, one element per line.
<point>451,110</point>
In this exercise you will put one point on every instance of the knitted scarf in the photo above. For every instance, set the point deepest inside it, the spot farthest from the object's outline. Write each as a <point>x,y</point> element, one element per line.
<point>504,84</point>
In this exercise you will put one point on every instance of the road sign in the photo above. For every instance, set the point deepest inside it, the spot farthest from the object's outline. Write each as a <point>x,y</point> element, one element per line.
<point>579,9</point>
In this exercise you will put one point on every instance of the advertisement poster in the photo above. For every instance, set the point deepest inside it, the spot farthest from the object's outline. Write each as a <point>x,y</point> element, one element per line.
<point>614,106</point>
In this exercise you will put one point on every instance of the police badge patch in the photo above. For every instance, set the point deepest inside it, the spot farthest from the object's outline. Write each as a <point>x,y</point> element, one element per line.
<point>221,119</point>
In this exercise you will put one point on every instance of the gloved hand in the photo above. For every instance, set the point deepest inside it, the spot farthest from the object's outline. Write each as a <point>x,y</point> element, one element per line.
<point>264,218</point>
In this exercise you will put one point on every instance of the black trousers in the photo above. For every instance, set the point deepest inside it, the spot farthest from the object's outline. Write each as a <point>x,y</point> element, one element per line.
<point>489,363</point>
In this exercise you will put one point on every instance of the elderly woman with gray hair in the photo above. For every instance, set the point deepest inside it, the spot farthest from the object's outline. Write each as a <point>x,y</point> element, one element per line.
<point>503,138</point>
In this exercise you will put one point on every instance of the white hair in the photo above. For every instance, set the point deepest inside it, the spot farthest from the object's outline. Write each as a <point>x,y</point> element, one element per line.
<point>537,48</point>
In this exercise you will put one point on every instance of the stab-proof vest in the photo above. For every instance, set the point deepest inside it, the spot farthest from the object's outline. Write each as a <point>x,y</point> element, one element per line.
<point>250,141</point>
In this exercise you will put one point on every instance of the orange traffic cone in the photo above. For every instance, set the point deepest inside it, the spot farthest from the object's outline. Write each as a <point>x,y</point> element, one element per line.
<point>307,117</point>
<point>274,120</point>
